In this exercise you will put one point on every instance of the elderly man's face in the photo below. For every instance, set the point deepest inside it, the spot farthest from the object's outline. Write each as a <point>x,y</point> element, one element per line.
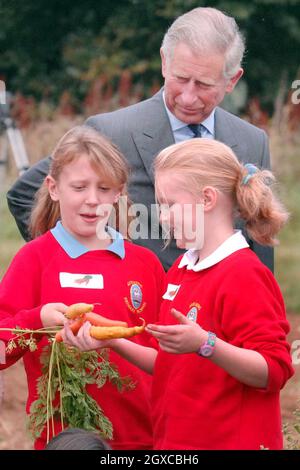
<point>195,85</point>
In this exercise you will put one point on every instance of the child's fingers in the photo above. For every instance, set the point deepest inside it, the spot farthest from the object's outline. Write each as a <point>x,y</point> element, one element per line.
<point>157,334</point>
<point>179,316</point>
<point>84,333</point>
<point>58,318</point>
<point>52,314</point>
<point>162,329</point>
<point>67,334</point>
<point>60,307</point>
<point>92,343</point>
<point>84,341</point>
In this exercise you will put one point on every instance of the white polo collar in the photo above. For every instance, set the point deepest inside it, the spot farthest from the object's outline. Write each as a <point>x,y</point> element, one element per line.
<point>235,242</point>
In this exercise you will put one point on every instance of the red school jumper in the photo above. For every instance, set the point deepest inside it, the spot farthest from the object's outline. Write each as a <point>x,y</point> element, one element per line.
<point>197,404</point>
<point>132,287</point>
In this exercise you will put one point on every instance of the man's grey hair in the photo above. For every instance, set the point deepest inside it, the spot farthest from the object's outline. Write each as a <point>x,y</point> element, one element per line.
<point>205,31</point>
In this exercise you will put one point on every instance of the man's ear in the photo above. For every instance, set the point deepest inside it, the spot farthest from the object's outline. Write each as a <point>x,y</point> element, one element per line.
<point>233,80</point>
<point>163,63</point>
<point>52,188</point>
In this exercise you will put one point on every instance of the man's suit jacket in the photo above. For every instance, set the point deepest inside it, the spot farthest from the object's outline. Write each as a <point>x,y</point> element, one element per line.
<point>141,131</point>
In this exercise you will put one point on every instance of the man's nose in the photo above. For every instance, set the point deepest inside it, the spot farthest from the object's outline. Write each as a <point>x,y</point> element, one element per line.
<point>189,94</point>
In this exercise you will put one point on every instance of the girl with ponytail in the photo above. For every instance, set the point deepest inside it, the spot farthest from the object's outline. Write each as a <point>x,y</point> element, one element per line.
<point>223,356</point>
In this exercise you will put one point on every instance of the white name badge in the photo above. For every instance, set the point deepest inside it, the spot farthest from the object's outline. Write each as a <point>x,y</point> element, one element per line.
<point>81,281</point>
<point>171,292</point>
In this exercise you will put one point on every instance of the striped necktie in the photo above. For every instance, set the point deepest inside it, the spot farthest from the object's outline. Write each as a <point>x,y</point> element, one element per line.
<point>196,129</point>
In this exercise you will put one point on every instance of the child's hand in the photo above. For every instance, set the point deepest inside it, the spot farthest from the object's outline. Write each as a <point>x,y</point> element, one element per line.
<point>53,314</point>
<point>178,339</point>
<point>83,340</point>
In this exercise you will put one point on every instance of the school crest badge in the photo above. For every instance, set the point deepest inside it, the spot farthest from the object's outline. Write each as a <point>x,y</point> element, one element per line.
<point>193,312</point>
<point>134,300</point>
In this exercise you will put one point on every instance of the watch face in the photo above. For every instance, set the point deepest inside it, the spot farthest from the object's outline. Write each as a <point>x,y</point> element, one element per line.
<point>206,350</point>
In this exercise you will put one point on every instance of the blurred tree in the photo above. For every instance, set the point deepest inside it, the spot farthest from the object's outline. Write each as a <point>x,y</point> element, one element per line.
<point>33,34</point>
<point>52,46</point>
<point>273,44</point>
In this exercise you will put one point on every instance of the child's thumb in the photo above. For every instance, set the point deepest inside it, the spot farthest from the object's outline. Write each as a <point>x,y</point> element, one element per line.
<point>179,316</point>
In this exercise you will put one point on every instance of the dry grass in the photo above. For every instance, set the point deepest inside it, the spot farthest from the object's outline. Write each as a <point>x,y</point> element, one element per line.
<point>41,138</point>
<point>286,164</point>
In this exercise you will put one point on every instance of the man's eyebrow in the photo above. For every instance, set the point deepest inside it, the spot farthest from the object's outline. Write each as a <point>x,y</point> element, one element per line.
<point>205,82</point>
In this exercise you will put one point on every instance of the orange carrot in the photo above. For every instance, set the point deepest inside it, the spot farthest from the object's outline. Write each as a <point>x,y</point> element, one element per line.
<point>98,320</point>
<point>111,332</point>
<point>75,327</point>
<point>77,310</point>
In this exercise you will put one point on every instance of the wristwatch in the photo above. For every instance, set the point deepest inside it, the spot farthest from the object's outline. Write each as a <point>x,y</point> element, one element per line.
<point>207,349</point>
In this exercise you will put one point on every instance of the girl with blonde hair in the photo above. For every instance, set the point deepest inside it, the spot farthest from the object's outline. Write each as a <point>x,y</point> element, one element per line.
<point>223,356</point>
<point>77,257</point>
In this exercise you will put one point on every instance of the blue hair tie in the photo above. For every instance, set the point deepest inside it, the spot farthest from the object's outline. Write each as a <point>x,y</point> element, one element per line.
<point>251,170</point>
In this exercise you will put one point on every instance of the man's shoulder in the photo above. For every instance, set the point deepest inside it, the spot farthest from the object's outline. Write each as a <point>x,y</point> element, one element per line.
<point>126,115</point>
<point>236,122</point>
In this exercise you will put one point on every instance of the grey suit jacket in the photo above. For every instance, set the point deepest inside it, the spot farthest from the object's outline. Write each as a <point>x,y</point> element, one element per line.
<point>141,131</point>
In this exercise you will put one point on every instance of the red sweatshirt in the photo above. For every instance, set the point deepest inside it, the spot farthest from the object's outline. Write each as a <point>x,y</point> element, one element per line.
<point>197,404</point>
<point>132,287</point>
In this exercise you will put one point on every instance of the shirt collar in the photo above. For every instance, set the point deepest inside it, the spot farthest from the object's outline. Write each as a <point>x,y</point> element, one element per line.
<point>75,249</point>
<point>208,123</point>
<point>234,243</point>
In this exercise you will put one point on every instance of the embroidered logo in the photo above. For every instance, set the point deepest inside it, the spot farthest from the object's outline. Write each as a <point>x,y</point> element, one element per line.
<point>81,281</point>
<point>84,280</point>
<point>193,311</point>
<point>171,292</point>
<point>135,301</point>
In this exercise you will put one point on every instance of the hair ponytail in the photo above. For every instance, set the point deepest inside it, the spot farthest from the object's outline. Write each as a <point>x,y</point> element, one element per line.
<point>259,207</point>
<point>206,162</point>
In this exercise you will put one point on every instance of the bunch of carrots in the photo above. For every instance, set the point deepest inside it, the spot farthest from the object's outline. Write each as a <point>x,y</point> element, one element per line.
<point>102,328</point>
<point>60,363</point>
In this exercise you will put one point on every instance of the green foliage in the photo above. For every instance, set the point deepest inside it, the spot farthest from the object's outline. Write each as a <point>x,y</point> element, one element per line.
<point>10,239</point>
<point>62,390</point>
<point>33,34</point>
<point>62,387</point>
<point>52,46</point>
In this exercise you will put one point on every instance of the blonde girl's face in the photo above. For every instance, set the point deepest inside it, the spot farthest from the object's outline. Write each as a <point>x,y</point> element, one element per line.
<point>82,195</point>
<point>181,212</point>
